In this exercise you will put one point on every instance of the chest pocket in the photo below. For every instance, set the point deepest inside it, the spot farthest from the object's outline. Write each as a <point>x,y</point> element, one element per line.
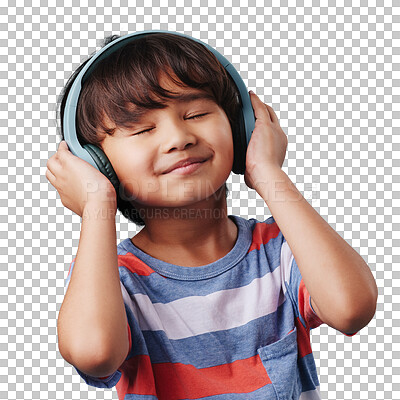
<point>280,362</point>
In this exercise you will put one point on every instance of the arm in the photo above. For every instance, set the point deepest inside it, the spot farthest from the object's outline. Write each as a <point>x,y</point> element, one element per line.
<point>342,289</point>
<point>92,323</point>
<point>340,283</point>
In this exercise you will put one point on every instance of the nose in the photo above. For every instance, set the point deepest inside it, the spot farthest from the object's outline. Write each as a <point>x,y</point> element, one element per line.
<point>178,135</point>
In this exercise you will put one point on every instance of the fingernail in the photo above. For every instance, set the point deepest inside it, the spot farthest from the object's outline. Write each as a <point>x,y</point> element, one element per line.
<point>251,92</point>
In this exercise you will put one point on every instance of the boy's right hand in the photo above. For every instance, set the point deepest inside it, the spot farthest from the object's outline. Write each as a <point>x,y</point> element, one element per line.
<point>78,183</point>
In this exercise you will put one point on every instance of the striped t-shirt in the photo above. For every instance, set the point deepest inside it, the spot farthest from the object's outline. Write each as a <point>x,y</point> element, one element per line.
<point>235,329</point>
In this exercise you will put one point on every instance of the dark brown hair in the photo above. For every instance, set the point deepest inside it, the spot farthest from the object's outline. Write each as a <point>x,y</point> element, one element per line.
<point>131,75</point>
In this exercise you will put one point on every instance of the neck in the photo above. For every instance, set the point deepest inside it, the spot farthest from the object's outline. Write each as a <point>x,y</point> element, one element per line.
<point>199,230</point>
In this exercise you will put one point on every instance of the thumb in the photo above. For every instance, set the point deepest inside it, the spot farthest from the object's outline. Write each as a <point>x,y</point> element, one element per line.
<point>63,145</point>
<point>260,111</point>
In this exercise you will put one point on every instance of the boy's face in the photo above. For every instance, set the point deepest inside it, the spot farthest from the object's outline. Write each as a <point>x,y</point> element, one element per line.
<point>189,127</point>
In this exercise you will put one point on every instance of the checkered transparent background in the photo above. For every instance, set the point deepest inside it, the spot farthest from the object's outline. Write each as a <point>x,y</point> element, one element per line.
<point>331,73</point>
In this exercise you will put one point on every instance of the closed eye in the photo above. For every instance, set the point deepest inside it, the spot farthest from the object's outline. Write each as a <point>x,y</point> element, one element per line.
<point>193,117</point>
<point>198,116</point>
<point>146,130</point>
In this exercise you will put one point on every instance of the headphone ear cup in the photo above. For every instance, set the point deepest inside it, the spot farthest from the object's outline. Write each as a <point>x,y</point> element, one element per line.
<point>239,146</point>
<point>103,163</point>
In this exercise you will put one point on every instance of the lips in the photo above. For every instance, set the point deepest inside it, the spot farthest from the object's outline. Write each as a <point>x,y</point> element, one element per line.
<point>184,163</point>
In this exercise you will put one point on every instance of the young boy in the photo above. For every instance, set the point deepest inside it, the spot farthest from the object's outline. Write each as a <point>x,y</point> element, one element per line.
<point>198,304</point>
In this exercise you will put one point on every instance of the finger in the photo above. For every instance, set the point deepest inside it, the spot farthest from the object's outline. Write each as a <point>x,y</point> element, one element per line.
<point>50,177</point>
<point>63,148</point>
<point>53,165</point>
<point>260,111</point>
<point>63,151</point>
<point>272,113</point>
<point>63,145</point>
<point>266,107</point>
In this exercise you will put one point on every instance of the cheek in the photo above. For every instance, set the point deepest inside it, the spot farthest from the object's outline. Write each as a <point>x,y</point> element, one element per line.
<point>130,163</point>
<point>224,138</point>
<point>224,143</point>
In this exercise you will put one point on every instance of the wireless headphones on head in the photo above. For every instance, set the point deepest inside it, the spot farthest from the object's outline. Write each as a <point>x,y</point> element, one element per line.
<point>96,157</point>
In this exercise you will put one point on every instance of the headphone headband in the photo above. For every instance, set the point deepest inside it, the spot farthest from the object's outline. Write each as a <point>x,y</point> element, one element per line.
<point>69,120</point>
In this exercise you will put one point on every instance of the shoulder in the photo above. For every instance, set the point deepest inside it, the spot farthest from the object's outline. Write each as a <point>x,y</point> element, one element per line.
<point>129,263</point>
<point>266,234</point>
<point>258,226</point>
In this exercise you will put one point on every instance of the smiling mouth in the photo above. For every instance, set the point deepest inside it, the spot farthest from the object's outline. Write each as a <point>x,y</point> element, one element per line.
<point>187,169</point>
<point>186,162</point>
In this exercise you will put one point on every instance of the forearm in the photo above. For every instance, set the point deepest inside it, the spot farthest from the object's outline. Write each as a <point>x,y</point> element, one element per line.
<point>92,324</point>
<point>337,278</point>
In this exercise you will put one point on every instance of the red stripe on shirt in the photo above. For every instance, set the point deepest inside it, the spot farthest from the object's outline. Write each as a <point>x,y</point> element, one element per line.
<point>303,339</point>
<point>134,264</point>
<point>262,233</point>
<point>177,381</point>
<point>137,377</point>
<point>241,376</point>
<point>311,319</point>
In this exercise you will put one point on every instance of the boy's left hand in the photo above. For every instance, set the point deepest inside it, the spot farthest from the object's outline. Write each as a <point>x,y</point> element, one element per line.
<point>267,146</point>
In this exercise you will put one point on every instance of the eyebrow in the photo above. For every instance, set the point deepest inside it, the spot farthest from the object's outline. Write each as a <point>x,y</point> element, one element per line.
<point>139,112</point>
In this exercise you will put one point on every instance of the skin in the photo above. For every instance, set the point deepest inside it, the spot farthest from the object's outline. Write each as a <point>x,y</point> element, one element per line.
<point>172,204</point>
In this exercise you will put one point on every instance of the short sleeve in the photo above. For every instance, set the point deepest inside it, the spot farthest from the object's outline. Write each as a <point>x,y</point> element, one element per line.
<point>298,292</point>
<point>111,380</point>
